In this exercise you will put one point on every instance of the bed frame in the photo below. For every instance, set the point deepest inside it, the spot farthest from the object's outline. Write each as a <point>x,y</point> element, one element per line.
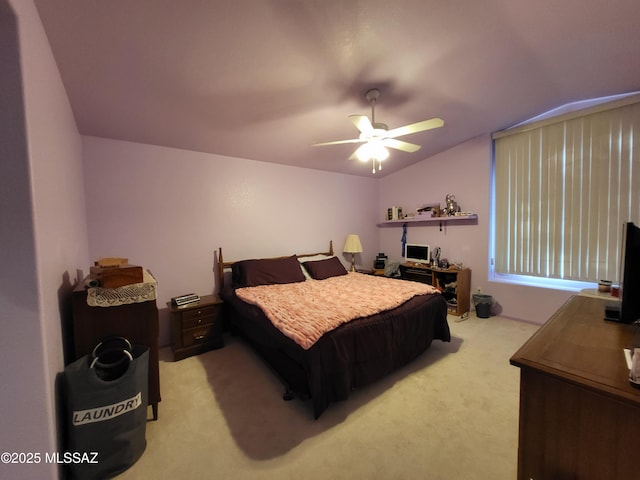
<point>317,374</point>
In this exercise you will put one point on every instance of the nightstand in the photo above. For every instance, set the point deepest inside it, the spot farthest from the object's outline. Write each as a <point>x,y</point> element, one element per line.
<point>196,327</point>
<point>366,271</point>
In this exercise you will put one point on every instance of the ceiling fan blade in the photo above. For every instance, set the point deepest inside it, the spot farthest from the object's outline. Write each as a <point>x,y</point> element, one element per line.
<point>362,123</point>
<point>352,140</point>
<point>415,127</point>
<point>354,155</point>
<point>400,145</point>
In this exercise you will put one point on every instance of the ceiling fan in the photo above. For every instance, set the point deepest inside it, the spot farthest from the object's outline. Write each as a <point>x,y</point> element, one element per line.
<point>376,137</point>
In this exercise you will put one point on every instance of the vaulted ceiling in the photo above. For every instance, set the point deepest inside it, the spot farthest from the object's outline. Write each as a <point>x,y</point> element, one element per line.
<point>266,79</point>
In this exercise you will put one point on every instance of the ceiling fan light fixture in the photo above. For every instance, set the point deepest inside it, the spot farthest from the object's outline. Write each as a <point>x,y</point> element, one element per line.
<point>381,153</point>
<point>372,150</point>
<point>364,152</point>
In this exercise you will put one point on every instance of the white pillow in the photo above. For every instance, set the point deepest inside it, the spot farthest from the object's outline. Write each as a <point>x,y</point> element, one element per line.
<point>312,258</point>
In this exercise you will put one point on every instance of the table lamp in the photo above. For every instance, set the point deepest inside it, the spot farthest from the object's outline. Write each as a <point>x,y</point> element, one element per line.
<point>352,245</point>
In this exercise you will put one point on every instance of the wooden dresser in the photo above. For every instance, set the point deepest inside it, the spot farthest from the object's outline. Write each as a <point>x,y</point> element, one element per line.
<point>579,415</point>
<point>138,322</point>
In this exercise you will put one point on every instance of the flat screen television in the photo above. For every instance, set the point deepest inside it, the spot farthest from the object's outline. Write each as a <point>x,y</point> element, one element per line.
<point>630,269</point>
<point>416,253</point>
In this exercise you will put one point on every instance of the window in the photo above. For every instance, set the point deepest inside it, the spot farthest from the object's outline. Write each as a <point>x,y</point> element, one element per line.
<point>562,190</point>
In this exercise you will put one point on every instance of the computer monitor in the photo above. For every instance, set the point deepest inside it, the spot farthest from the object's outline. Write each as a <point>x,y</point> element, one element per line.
<point>416,253</point>
<point>630,269</point>
<point>628,309</point>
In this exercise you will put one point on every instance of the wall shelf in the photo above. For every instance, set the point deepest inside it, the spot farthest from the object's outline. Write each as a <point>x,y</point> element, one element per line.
<point>420,220</point>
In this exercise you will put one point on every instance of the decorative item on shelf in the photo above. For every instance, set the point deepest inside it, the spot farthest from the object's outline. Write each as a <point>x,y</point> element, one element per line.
<point>352,245</point>
<point>434,208</point>
<point>394,213</point>
<point>452,206</point>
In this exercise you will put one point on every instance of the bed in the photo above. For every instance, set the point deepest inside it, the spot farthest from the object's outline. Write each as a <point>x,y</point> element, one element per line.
<point>392,324</point>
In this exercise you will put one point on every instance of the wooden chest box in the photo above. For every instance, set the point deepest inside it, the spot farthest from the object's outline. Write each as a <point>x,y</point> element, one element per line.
<point>117,276</point>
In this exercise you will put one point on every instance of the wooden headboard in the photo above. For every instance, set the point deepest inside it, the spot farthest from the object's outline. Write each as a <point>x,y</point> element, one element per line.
<point>222,265</point>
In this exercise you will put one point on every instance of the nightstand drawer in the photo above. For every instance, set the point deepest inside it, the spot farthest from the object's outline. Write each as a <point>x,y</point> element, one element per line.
<point>190,321</point>
<point>195,336</point>
<point>197,313</point>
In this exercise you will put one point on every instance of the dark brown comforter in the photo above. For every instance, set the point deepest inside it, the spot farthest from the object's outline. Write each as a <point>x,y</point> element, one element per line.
<point>353,355</point>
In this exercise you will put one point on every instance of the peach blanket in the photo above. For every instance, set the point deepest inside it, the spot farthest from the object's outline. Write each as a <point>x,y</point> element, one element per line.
<point>306,310</point>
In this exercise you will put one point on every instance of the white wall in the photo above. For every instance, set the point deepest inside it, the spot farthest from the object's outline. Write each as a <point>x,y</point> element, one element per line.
<point>465,171</point>
<point>169,210</point>
<point>43,235</point>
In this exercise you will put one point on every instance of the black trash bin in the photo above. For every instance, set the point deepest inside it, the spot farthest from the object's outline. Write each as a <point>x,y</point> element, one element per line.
<point>482,304</point>
<point>106,396</point>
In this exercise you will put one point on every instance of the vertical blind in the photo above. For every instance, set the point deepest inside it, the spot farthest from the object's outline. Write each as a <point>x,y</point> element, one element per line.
<point>563,191</point>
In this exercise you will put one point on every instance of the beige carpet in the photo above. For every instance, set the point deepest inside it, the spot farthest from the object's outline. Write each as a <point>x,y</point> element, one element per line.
<point>451,414</point>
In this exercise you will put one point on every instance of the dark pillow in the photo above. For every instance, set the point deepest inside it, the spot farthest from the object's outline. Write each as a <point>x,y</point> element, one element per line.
<point>267,271</point>
<point>321,269</point>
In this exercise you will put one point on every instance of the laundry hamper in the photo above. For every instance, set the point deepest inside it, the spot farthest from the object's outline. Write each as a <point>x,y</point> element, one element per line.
<point>106,397</point>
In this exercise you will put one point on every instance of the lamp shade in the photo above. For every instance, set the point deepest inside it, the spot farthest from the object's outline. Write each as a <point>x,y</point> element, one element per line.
<point>352,244</point>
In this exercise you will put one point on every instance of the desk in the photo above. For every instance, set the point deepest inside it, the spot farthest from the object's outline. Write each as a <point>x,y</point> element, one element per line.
<point>138,322</point>
<point>454,284</point>
<point>579,415</point>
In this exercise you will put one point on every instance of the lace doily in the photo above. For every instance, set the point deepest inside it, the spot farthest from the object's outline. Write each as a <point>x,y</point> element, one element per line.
<point>113,297</point>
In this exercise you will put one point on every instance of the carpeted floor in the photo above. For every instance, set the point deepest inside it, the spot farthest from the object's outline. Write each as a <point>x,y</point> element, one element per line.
<point>451,414</point>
